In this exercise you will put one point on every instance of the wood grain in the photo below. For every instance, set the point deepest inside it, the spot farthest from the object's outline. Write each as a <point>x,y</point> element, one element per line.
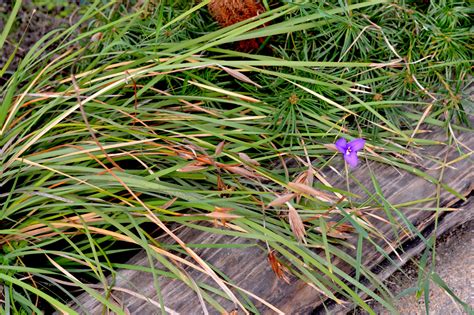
<point>411,248</point>
<point>248,267</point>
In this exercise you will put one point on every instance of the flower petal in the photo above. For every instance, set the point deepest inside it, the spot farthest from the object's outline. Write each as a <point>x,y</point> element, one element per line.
<point>341,145</point>
<point>356,144</point>
<point>351,159</point>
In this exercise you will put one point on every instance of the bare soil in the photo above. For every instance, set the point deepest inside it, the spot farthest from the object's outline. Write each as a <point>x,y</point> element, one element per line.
<point>455,265</point>
<point>31,24</point>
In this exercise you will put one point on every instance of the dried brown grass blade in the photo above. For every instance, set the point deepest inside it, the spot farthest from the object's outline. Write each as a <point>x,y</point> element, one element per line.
<point>239,76</point>
<point>169,203</point>
<point>341,231</point>
<point>305,189</point>
<point>222,215</point>
<point>241,171</point>
<point>281,200</point>
<point>256,297</point>
<point>247,159</point>
<point>219,148</point>
<point>193,167</point>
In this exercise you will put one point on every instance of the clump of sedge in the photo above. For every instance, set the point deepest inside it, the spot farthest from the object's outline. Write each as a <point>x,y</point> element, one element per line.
<point>228,12</point>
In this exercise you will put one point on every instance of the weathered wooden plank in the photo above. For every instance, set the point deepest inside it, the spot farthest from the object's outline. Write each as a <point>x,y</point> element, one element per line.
<point>411,248</point>
<point>248,267</point>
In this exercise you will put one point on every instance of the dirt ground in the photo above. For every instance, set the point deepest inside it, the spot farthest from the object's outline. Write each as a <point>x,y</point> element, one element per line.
<point>31,24</point>
<point>454,264</point>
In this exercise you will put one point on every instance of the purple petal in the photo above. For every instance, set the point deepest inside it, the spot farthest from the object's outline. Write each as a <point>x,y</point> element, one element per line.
<point>356,144</point>
<point>341,145</point>
<point>351,159</point>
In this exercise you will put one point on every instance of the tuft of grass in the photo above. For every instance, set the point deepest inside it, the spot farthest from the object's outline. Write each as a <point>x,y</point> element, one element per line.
<point>148,117</point>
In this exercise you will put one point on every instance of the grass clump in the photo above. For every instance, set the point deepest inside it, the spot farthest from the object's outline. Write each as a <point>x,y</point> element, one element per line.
<point>149,119</point>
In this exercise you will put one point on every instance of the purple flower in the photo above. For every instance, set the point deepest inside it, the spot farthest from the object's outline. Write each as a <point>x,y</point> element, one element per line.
<point>349,150</point>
